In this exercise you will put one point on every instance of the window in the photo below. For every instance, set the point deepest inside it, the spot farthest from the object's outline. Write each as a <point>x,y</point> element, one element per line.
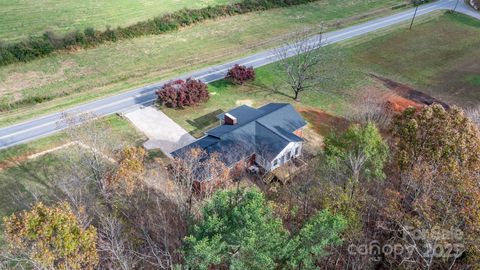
<point>297,151</point>
<point>275,163</point>
<point>288,155</point>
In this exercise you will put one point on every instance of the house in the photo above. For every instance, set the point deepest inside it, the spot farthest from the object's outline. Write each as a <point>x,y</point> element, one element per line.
<point>267,137</point>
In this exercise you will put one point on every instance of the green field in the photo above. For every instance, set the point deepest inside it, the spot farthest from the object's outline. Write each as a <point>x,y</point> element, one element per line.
<point>440,57</point>
<point>72,78</point>
<point>19,19</point>
<point>422,58</point>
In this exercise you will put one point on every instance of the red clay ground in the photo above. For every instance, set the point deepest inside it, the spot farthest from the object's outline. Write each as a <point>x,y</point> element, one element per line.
<point>324,123</point>
<point>407,96</point>
<point>398,104</point>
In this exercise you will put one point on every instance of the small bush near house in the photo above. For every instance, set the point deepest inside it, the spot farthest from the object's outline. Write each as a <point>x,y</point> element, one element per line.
<point>240,74</point>
<point>182,93</point>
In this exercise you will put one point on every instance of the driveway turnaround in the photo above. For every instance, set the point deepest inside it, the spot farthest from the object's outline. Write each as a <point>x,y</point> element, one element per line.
<point>43,126</point>
<point>162,132</point>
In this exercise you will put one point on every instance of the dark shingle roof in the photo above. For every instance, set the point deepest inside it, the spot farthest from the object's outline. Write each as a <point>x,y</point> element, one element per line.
<point>266,131</point>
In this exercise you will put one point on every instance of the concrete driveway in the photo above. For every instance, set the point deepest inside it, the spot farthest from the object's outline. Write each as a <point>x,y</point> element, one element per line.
<point>163,133</point>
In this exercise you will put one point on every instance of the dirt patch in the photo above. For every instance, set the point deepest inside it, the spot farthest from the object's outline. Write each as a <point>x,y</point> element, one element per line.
<point>12,162</point>
<point>247,102</point>
<point>409,94</point>
<point>324,123</point>
<point>313,141</point>
<point>397,104</point>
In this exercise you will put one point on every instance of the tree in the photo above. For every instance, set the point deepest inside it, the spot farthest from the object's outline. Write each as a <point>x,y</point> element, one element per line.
<point>130,169</point>
<point>51,238</point>
<point>195,165</point>
<point>434,135</point>
<point>238,230</point>
<point>358,154</point>
<point>182,93</point>
<point>299,59</point>
<point>437,158</point>
<point>321,231</point>
<point>369,107</point>
<point>115,189</point>
<point>474,115</point>
<point>240,74</point>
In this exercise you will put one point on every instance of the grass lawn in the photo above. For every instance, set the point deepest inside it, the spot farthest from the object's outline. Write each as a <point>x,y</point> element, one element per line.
<point>440,57</point>
<point>19,19</point>
<point>72,78</point>
<point>437,46</point>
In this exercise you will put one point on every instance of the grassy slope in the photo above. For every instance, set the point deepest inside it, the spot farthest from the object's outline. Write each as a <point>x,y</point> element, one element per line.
<point>20,19</point>
<point>115,67</point>
<point>419,57</point>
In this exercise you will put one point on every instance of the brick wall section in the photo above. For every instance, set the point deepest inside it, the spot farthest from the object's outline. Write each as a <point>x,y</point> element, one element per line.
<point>213,184</point>
<point>299,132</point>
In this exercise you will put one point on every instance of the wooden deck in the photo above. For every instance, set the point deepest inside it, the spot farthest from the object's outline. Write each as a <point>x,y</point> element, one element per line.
<point>285,172</point>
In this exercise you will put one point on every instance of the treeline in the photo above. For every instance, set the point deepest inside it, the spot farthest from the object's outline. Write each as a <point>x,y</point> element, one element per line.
<point>39,46</point>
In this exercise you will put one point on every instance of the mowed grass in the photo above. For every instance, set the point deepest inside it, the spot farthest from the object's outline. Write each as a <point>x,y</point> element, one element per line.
<point>421,58</point>
<point>72,78</point>
<point>440,57</point>
<point>20,19</point>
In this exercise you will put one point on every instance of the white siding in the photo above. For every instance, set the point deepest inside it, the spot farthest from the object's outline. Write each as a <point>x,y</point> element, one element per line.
<point>281,158</point>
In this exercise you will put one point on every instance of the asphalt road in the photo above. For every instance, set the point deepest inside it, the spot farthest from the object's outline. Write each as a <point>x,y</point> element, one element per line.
<point>43,126</point>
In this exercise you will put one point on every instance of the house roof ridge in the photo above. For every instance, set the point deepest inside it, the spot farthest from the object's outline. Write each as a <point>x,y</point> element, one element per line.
<point>263,114</point>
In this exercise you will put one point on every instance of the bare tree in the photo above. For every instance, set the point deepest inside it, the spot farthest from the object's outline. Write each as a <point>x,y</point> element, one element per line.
<point>474,115</point>
<point>195,165</point>
<point>370,108</point>
<point>114,245</point>
<point>299,59</point>
<point>88,164</point>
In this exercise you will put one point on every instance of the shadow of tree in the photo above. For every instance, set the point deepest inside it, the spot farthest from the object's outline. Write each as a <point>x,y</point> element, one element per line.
<point>27,182</point>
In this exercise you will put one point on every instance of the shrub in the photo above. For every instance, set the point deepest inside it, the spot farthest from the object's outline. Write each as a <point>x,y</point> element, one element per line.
<point>182,93</point>
<point>240,74</point>
<point>30,49</point>
<point>6,56</point>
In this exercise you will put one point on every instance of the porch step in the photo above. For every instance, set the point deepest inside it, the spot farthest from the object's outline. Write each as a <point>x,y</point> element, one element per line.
<point>268,178</point>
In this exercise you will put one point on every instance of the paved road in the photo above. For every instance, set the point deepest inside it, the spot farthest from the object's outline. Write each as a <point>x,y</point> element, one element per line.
<point>43,126</point>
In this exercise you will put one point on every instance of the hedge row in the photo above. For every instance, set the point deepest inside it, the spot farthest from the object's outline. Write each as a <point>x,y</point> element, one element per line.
<point>35,47</point>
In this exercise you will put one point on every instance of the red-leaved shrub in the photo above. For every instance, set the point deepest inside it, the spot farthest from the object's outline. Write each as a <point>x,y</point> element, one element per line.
<point>240,74</point>
<point>182,93</point>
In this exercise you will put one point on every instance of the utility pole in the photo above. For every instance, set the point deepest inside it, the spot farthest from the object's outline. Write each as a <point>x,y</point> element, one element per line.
<point>414,15</point>
<point>455,8</point>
